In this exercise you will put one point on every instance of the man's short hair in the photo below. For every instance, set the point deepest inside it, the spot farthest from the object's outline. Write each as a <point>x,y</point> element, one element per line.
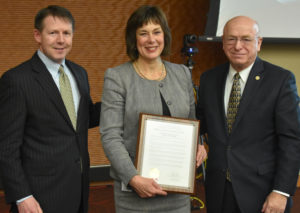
<point>55,11</point>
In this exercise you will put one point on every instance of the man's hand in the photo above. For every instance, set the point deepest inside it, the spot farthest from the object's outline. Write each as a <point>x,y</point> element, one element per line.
<point>146,187</point>
<point>30,205</point>
<point>201,155</point>
<point>275,203</point>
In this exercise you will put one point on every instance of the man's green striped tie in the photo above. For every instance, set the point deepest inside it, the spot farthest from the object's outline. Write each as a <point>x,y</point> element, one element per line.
<point>67,96</point>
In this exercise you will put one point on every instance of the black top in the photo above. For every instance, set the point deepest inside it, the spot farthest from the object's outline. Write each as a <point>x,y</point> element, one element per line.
<point>165,107</point>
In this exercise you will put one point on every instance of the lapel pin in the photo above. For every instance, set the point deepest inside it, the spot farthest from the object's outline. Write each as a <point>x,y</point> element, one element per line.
<point>257,78</point>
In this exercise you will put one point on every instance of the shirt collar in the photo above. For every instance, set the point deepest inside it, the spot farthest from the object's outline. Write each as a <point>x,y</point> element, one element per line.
<point>243,73</point>
<point>50,65</point>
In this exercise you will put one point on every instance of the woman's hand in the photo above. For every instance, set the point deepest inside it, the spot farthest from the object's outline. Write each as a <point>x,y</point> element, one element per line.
<point>201,155</point>
<point>146,187</point>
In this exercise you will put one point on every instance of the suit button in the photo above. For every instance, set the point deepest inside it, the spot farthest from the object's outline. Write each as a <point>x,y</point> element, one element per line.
<point>169,102</point>
<point>229,148</point>
<point>161,85</point>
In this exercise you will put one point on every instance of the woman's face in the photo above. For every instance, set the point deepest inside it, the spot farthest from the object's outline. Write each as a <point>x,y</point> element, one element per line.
<point>150,41</point>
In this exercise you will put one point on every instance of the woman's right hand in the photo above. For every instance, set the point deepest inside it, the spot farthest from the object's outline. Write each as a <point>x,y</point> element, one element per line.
<point>146,187</point>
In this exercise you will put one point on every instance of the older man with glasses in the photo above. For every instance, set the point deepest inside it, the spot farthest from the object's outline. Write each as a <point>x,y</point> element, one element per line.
<point>249,110</point>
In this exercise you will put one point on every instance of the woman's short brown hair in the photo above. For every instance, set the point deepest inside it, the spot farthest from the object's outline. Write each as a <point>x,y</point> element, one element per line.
<point>144,15</point>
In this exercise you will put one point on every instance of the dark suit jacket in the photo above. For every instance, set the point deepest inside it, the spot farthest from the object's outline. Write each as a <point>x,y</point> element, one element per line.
<point>262,152</point>
<point>40,151</point>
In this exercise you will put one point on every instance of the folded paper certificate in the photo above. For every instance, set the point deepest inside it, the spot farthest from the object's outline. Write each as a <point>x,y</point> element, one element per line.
<point>166,151</point>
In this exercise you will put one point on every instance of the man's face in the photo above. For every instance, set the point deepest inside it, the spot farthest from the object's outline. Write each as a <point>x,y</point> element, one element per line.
<point>55,39</point>
<point>240,42</point>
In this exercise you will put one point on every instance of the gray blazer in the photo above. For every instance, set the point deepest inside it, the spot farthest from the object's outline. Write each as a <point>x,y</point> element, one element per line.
<point>125,96</point>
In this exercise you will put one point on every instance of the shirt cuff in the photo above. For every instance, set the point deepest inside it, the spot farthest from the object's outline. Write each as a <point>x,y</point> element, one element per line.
<point>21,200</point>
<point>282,193</point>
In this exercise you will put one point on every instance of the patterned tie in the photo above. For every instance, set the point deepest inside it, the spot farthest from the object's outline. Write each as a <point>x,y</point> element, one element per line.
<point>234,101</point>
<point>66,94</point>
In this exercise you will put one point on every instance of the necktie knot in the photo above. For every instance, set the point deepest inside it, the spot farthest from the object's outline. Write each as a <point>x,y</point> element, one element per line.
<point>61,69</point>
<point>61,72</point>
<point>236,76</point>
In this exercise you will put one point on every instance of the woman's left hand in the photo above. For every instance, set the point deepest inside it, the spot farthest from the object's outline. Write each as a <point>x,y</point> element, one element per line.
<point>146,187</point>
<point>201,155</point>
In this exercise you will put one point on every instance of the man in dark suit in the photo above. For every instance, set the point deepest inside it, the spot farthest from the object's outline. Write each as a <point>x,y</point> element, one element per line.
<point>249,110</point>
<point>45,111</point>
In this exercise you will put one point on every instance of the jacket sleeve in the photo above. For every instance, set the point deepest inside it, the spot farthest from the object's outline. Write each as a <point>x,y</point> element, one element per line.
<point>200,106</point>
<point>94,111</point>
<point>12,124</point>
<point>94,108</point>
<point>112,126</point>
<point>190,87</point>
<point>287,122</point>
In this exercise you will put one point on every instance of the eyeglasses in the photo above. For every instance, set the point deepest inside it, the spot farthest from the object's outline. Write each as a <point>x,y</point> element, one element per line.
<point>234,40</point>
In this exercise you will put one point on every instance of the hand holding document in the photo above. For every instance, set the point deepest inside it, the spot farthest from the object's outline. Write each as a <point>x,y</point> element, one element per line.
<point>166,151</point>
<point>146,187</point>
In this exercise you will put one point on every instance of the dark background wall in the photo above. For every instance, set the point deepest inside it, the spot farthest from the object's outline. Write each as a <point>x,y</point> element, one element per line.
<point>99,40</point>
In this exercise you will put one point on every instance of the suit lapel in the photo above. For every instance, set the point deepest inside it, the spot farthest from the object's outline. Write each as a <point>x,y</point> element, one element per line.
<point>221,90</point>
<point>254,80</point>
<point>46,81</point>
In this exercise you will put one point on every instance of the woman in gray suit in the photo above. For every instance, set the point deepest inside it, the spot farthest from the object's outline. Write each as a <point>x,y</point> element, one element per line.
<point>150,85</point>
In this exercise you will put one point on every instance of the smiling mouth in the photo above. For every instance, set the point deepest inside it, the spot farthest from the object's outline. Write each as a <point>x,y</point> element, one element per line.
<point>151,48</point>
<point>238,55</point>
